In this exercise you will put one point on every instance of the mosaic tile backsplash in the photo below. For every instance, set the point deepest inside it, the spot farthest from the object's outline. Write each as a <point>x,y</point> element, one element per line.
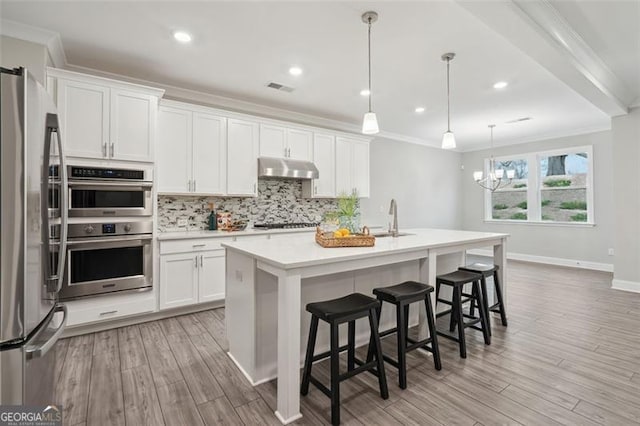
<point>278,200</point>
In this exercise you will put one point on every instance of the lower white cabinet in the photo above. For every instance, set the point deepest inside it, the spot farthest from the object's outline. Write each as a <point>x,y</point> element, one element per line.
<point>96,309</point>
<point>190,278</point>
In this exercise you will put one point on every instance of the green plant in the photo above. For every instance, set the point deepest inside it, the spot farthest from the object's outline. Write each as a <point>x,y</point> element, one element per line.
<point>579,217</point>
<point>496,216</point>
<point>500,207</point>
<point>518,216</point>
<point>522,205</point>
<point>546,217</point>
<point>348,204</point>
<point>519,185</point>
<point>555,183</point>
<point>545,203</point>
<point>573,205</point>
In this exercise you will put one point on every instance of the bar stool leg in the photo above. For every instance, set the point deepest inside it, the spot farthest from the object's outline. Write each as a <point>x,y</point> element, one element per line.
<point>457,302</point>
<point>382,378</point>
<point>308,361</point>
<point>454,314</point>
<point>335,373</point>
<point>402,345</point>
<point>503,312</point>
<point>351,351</point>
<point>483,314</point>
<point>432,333</point>
<point>485,303</point>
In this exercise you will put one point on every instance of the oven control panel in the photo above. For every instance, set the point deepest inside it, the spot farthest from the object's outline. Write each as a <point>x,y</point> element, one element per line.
<point>105,173</point>
<point>105,229</point>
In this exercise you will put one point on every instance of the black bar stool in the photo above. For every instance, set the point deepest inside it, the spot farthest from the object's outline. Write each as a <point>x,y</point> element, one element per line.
<point>336,312</point>
<point>402,295</point>
<point>457,281</point>
<point>488,271</point>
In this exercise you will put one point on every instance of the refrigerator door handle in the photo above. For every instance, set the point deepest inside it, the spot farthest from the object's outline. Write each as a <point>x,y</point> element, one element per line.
<point>41,350</point>
<point>53,127</point>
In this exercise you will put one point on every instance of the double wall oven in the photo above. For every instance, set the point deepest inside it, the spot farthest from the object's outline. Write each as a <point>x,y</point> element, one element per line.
<point>109,245</point>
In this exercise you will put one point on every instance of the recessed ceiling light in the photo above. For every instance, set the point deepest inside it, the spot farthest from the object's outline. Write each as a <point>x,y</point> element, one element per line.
<point>365,92</point>
<point>295,70</point>
<point>500,85</point>
<point>182,36</point>
<point>419,109</point>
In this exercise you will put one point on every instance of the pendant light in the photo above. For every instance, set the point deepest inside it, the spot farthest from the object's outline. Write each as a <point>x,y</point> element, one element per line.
<point>494,180</point>
<point>448,139</point>
<point>370,121</point>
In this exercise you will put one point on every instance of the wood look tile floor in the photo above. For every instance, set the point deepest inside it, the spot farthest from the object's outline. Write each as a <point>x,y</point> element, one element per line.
<point>570,355</point>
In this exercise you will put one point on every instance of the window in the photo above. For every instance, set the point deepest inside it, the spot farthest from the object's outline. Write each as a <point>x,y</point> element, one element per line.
<point>551,186</point>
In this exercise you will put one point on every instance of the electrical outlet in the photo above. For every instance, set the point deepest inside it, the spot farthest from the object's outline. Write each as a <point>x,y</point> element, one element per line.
<point>183,222</point>
<point>611,252</point>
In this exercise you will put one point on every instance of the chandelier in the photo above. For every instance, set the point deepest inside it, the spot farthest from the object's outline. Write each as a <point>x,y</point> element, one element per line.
<point>494,178</point>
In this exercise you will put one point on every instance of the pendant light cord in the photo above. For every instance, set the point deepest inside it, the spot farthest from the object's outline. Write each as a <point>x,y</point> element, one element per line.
<point>369,38</point>
<point>448,103</point>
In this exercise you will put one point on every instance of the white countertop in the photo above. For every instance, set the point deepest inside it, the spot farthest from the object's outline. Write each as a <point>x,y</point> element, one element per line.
<point>200,233</point>
<point>301,251</point>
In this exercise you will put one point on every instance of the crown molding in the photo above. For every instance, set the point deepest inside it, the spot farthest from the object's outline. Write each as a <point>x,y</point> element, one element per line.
<point>50,39</point>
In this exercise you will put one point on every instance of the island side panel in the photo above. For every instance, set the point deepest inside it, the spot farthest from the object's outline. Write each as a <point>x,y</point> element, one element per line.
<point>240,311</point>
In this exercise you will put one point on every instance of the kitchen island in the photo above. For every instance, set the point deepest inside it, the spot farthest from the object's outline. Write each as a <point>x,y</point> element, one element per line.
<point>269,282</point>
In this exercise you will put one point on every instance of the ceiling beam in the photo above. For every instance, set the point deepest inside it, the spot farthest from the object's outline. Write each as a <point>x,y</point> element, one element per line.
<point>538,29</point>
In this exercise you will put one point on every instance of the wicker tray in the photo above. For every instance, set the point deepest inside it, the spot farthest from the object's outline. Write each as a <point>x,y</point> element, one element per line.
<point>327,239</point>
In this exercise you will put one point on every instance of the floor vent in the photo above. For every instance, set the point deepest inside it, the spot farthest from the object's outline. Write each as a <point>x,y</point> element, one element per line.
<point>280,87</point>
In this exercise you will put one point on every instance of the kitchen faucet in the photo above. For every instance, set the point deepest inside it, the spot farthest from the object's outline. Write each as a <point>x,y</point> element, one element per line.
<point>393,209</point>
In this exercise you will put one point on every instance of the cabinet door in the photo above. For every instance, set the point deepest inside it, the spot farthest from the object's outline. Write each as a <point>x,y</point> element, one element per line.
<point>299,144</point>
<point>324,157</point>
<point>343,166</point>
<point>178,280</point>
<point>360,167</point>
<point>174,150</point>
<point>242,157</point>
<point>272,141</point>
<point>211,279</point>
<point>209,154</point>
<point>133,123</point>
<point>84,111</point>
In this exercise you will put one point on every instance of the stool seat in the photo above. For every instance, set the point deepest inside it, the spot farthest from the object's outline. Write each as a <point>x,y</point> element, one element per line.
<point>458,278</point>
<point>404,291</point>
<point>329,310</point>
<point>480,268</point>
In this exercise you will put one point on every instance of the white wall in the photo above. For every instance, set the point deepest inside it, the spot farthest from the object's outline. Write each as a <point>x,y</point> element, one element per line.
<point>19,53</point>
<point>424,181</point>
<point>579,243</point>
<point>626,175</point>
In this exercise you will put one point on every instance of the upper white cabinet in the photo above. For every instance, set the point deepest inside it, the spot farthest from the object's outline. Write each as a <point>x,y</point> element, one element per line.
<point>352,166</point>
<point>282,142</point>
<point>242,157</point>
<point>105,119</point>
<point>324,157</point>
<point>191,150</point>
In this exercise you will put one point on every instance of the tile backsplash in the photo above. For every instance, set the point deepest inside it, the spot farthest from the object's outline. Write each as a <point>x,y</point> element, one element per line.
<point>278,200</point>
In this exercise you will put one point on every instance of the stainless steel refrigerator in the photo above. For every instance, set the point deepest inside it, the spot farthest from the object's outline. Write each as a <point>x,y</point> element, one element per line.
<point>32,240</point>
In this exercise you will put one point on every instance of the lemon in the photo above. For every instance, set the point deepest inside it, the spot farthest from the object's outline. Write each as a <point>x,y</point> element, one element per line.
<point>344,231</point>
<point>337,234</point>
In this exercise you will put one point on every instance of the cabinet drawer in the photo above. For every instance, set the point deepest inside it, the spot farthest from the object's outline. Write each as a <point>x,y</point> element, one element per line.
<point>109,307</point>
<point>191,246</point>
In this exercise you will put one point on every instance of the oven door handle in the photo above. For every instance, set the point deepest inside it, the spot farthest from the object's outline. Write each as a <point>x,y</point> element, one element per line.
<point>93,185</point>
<point>107,240</point>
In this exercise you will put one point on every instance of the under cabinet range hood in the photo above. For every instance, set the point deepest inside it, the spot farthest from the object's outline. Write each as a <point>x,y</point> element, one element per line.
<point>287,168</point>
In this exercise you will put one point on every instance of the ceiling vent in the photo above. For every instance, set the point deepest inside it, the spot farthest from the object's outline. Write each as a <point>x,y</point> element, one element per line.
<point>280,87</point>
<point>518,120</point>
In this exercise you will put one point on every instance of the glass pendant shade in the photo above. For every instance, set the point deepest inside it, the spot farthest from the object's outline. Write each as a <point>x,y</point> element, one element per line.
<point>511,174</point>
<point>448,140</point>
<point>499,173</point>
<point>370,124</point>
<point>477,176</point>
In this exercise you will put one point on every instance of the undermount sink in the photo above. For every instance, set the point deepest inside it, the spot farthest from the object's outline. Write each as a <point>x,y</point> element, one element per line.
<point>389,234</point>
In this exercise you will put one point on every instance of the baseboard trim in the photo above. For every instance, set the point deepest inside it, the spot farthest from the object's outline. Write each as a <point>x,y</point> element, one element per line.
<point>571,263</point>
<point>623,285</point>
<point>139,319</point>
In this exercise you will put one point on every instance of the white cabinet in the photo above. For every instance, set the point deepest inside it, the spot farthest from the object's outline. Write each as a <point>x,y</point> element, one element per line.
<point>105,119</point>
<point>191,151</point>
<point>179,280</point>
<point>324,157</point>
<point>211,276</point>
<point>352,166</point>
<point>242,157</point>
<point>282,142</point>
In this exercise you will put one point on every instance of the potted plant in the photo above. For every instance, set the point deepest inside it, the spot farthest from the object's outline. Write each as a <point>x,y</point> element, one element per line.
<point>348,214</point>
